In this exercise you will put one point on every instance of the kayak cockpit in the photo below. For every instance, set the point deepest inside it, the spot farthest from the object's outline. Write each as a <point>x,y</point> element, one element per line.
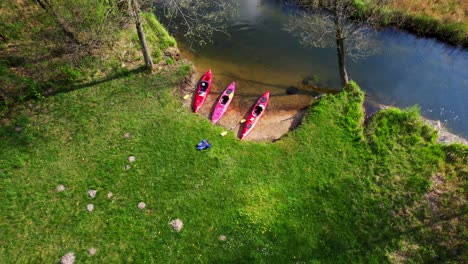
<point>258,110</point>
<point>224,99</point>
<point>204,85</point>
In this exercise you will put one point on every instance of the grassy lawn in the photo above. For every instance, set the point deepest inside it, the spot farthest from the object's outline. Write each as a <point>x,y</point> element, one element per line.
<point>328,192</point>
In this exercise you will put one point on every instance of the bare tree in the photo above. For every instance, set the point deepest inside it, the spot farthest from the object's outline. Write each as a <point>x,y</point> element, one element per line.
<point>135,12</point>
<point>82,26</point>
<point>326,23</point>
<point>198,20</point>
<point>88,24</point>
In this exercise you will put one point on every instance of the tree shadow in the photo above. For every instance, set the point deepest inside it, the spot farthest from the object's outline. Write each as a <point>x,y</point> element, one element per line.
<point>114,76</point>
<point>305,90</point>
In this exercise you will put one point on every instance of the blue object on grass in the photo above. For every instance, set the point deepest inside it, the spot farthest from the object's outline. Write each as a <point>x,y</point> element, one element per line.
<point>204,144</point>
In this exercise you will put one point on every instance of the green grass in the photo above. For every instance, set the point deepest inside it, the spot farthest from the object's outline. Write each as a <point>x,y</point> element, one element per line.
<point>324,193</point>
<point>156,34</point>
<point>444,20</point>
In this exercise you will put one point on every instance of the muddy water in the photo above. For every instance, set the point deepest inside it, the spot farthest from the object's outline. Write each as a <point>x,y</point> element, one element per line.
<point>260,56</point>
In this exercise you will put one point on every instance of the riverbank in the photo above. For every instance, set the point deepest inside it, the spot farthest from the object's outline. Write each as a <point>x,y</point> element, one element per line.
<point>444,20</point>
<point>444,135</point>
<point>276,123</point>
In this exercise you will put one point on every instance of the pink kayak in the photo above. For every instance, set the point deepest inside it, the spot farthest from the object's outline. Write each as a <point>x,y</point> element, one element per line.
<point>223,103</point>
<point>204,88</point>
<point>257,112</point>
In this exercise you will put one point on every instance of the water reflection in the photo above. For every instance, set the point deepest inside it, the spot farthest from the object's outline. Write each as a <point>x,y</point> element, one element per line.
<point>259,55</point>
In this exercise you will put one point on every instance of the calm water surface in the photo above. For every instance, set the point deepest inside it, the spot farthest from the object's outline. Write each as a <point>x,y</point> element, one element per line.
<point>409,71</point>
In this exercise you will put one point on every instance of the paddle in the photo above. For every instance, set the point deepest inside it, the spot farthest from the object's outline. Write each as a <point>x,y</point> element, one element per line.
<point>230,129</point>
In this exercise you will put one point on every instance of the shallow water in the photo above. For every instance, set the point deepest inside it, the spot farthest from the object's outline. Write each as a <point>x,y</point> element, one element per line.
<point>260,56</point>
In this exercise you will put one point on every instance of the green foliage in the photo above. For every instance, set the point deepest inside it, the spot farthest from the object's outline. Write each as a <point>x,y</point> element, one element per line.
<point>70,73</point>
<point>12,23</point>
<point>360,6</point>
<point>92,23</point>
<point>157,33</point>
<point>393,128</point>
<point>453,32</point>
<point>170,61</point>
<point>157,37</point>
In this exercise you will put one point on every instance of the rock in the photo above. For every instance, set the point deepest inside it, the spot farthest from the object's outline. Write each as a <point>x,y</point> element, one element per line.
<point>131,159</point>
<point>60,188</point>
<point>127,135</point>
<point>109,195</point>
<point>307,80</point>
<point>177,224</point>
<point>90,207</point>
<point>141,205</point>
<point>292,90</point>
<point>69,258</point>
<point>18,128</point>
<point>172,52</point>
<point>222,238</point>
<point>92,193</point>
<point>92,251</point>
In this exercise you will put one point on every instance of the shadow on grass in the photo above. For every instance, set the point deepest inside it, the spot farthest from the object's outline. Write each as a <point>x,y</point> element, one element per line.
<point>114,76</point>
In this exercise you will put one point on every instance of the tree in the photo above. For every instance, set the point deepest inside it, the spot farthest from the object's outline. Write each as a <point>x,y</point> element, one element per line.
<point>197,20</point>
<point>89,24</point>
<point>82,26</point>
<point>327,23</point>
<point>135,11</point>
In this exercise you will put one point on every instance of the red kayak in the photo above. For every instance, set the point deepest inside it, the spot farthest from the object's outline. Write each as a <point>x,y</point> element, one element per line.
<point>257,112</point>
<point>204,88</point>
<point>223,103</point>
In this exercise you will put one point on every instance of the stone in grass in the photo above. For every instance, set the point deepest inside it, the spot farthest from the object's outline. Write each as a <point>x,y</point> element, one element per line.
<point>127,135</point>
<point>177,224</point>
<point>90,207</point>
<point>141,205</point>
<point>69,258</point>
<point>131,159</point>
<point>222,238</point>
<point>92,193</point>
<point>60,188</point>
<point>109,195</point>
<point>92,251</point>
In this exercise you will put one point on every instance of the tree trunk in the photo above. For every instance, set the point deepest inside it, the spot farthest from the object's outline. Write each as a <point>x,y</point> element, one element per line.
<point>4,39</point>
<point>340,49</point>
<point>141,35</point>
<point>46,5</point>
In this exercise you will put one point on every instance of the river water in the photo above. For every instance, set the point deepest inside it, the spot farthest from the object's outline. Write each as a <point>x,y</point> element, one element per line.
<point>259,55</point>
